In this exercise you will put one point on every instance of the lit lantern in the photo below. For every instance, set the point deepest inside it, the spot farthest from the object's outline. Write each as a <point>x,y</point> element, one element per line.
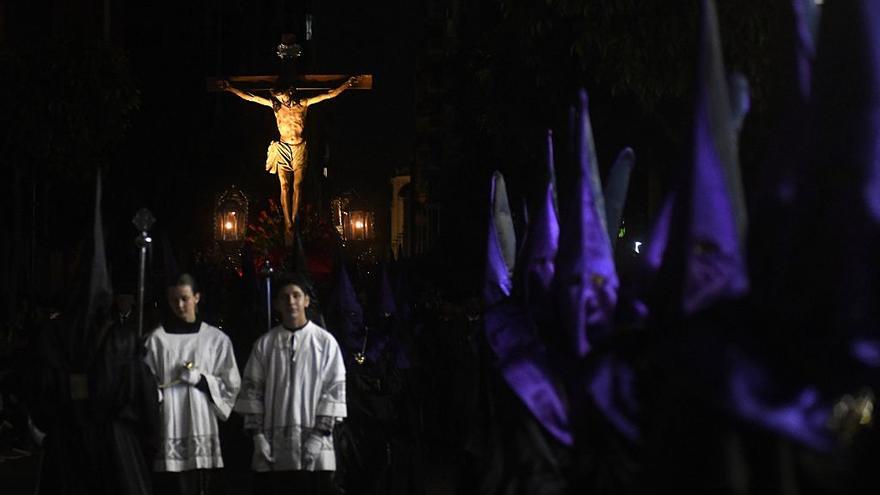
<point>360,226</point>
<point>339,213</point>
<point>231,214</point>
<point>352,218</point>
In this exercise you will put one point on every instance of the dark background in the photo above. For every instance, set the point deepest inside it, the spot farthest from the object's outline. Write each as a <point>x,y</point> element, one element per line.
<point>460,89</point>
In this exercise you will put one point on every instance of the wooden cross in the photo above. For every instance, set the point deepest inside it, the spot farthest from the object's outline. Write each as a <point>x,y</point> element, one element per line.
<point>290,118</point>
<point>304,82</point>
<point>289,52</point>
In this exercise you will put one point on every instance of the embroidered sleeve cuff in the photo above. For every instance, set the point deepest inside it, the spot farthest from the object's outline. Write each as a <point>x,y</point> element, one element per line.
<point>332,409</point>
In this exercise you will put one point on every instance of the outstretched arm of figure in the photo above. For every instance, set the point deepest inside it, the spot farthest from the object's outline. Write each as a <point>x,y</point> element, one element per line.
<point>244,95</point>
<point>333,93</point>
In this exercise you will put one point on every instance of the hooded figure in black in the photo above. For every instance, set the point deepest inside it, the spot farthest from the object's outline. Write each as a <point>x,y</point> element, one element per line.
<point>90,391</point>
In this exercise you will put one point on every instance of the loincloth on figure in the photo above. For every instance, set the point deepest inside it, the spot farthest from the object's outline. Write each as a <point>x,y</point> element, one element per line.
<point>285,156</point>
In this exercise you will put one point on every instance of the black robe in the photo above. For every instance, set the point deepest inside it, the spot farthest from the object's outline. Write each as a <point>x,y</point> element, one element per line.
<point>364,440</point>
<point>99,412</point>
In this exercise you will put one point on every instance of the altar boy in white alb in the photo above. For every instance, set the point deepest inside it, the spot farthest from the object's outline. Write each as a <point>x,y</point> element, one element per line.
<point>293,392</point>
<point>199,381</point>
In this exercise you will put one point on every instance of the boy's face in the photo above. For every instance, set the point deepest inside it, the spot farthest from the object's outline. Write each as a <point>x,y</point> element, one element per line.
<point>291,303</point>
<point>183,302</point>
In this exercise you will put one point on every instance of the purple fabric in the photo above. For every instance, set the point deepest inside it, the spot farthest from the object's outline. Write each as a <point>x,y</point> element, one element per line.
<point>634,306</point>
<point>523,362</point>
<point>380,334</point>
<point>714,267</point>
<point>585,282</point>
<point>866,352</point>
<point>846,93</point>
<point>777,242</point>
<point>521,357</point>
<point>715,271</point>
<point>500,242</point>
<point>378,340</point>
<point>613,389</point>
<point>387,305</point>
<point>871,163</point>
<point>805,14</point>
<point>539,251</point>
<point>714,130</point>
<point>348,319</point>
<point>801,414</point>
<point>656,246</point>
<point>740,102</point>
<point>347,312</point>
<point>801,55</point>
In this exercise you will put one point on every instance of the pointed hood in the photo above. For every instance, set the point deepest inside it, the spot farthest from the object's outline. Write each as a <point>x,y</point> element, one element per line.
<point>586,282</point>
<point>381,321</point>
<point>777,180</point>
<point>740,103</point>
<point>345,317</point>
<point>537,262</point>
<point>832,163</point>
<point>387,304</point>
<point>89,308</point>
<point>100,291</point>
<point>802,48</point>
<point>703,252</point>
<point>845,175</point>
<point>521,357</point>
<point>773,244</point>
<point>523,362</point>
<point>500,244</point>
<point>616,189</point>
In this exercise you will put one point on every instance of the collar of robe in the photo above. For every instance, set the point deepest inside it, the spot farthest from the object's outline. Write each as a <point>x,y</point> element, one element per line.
<point>176,325</point>
<point>295,329</point>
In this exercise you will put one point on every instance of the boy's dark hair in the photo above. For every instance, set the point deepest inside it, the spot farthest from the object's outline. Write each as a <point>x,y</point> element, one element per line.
<point>294,278</point>
<point>185,279</point>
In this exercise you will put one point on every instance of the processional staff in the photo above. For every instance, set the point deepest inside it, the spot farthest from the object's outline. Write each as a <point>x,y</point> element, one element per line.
<point>142,221</point>
<point>267,272</point>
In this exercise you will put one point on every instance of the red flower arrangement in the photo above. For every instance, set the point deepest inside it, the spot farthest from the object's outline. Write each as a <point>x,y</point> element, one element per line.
<point>266,239</point>
<point>266,236</point>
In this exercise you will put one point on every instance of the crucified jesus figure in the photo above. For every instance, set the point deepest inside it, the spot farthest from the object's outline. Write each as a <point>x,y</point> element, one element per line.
<point>287,156</point>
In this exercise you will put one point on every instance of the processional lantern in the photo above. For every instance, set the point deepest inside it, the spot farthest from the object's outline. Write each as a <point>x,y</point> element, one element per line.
<point>361,225</point>
<point>339,214</point>
<point>352,219</point>
<point>231,216</point>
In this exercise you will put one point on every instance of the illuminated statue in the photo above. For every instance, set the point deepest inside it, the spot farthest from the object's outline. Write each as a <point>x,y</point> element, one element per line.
<point>287,156</point>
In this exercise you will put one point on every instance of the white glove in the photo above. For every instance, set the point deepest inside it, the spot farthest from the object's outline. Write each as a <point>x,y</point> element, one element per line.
<point>262,446</point>
<point>191,376</point>
<point>311,450</point>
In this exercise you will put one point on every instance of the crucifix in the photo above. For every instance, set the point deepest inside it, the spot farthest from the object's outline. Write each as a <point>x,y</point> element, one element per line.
<point>287,97</point>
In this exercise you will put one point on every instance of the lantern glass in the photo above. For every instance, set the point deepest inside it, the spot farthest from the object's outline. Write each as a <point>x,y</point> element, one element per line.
<point>360,225</point>
<point>230,216</point>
